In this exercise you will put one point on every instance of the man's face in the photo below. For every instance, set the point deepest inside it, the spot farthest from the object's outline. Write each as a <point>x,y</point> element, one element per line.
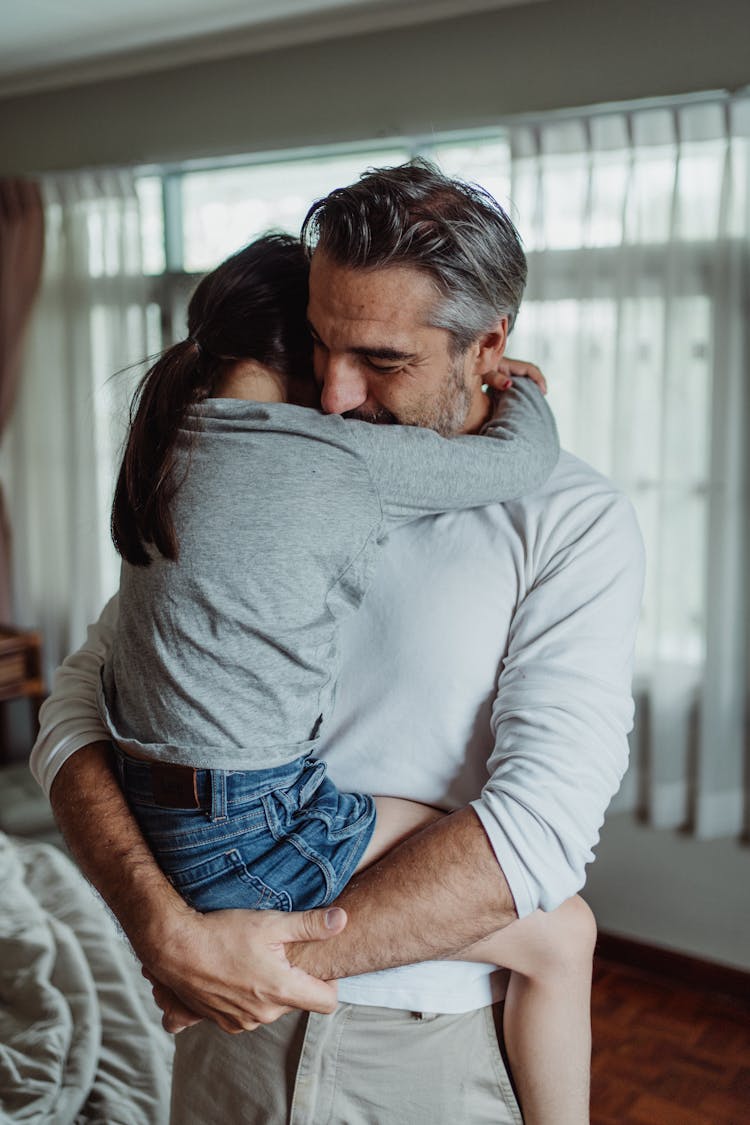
<point>376,358</point>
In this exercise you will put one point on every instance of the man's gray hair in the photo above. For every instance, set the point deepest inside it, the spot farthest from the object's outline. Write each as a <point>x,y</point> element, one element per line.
<point>414,215</point>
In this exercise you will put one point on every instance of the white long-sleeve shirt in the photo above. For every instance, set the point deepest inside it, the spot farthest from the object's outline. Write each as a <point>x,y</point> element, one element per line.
<point>489,664</point>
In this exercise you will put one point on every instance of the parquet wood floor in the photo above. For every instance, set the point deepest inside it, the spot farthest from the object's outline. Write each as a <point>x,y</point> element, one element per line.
<point>665,1054</point>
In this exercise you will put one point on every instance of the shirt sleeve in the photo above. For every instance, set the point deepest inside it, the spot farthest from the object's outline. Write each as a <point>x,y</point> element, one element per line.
<point>69,719</point>
<point>564,707</point>
<point>417,472</point>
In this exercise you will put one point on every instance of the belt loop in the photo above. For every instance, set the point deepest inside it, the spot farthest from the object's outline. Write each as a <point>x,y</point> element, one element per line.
<point>218,795</point>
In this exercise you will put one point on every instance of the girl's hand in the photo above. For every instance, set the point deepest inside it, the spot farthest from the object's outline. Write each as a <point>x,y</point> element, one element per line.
<point>502,379</point>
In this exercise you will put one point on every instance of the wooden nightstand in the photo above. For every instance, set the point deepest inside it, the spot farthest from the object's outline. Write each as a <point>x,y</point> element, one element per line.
<point>21,672</point>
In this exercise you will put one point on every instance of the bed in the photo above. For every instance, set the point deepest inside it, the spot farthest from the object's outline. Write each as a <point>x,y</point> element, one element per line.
<point>80,1037</point>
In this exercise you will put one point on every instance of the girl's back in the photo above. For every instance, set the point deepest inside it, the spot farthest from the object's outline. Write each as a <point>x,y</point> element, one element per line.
<point>227,656</point>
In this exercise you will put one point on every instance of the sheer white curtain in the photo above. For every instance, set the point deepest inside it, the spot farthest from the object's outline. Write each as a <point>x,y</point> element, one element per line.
<point>637,227</point>
<point>61,449</point>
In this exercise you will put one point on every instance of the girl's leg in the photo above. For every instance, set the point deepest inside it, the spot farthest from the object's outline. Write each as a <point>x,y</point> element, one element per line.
<point>396,820</point>
<point>547,1016</point>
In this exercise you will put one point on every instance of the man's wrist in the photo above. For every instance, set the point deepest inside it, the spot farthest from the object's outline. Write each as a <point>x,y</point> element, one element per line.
<point>154,916</point>
<point>310,957</point>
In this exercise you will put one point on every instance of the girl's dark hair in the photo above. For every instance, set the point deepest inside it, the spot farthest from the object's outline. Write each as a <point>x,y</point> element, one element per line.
<point>252,306</point>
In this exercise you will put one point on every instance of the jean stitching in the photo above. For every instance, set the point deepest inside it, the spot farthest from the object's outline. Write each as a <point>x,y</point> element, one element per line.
<point>218,784</point>
<point>355,826</point>
<point>323,865</point>
<point>189,839</point>
<point>279,900</point>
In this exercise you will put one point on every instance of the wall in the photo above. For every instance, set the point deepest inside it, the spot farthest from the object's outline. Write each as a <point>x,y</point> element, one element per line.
<point>667,889</point>
<point>455,73</point>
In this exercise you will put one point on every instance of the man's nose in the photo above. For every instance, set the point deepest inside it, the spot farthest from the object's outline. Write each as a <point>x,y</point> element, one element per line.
<point>343,386</point>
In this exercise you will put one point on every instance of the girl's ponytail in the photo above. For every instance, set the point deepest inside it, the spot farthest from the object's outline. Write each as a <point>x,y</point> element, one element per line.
<point>252,306</point>
<point>146,483</point>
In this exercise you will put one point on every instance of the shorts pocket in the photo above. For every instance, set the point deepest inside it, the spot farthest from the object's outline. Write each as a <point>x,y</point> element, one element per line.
<point>224,882</point>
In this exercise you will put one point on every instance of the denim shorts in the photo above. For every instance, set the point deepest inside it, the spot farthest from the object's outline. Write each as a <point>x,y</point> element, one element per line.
<point>276,839</point>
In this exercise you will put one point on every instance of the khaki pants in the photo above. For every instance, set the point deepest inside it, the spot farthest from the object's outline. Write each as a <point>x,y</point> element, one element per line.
<point>359,1066</point>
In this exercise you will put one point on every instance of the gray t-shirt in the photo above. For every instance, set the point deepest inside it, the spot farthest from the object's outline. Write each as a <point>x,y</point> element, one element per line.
<point>228,657</point>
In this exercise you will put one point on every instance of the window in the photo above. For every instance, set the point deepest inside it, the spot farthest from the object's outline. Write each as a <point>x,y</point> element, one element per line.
<point>635,224</point>
<point>624,330</point>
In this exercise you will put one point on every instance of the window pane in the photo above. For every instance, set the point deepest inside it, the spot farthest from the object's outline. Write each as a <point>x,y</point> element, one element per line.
<point>117,366</point>
<point>739,184</point>
<point>682,570</point>
<point>525,192</point>
<point>154,342</point>
<point>485,162</point>
<point>649,217</point>
<point>687,393</point>
<point>609,181</point>
<point>699,182</point>
<point>225,209</point>
<point>111,236</point>
<point>642,396</point>
<point>564,200</point>
<point>575,343</point>
<point>177,297</point>
<point>151,209</point>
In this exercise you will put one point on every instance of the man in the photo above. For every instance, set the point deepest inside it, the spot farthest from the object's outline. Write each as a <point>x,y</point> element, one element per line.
<point>487,673</point>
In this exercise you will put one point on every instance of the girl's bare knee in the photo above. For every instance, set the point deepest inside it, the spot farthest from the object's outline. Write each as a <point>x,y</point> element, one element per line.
<point>572,934</point>
<point>579,926</point>
<point>563,941</point>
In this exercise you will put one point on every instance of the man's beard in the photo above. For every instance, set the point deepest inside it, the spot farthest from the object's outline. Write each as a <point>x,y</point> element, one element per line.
<point>446,415</point>
<point>379,417</point>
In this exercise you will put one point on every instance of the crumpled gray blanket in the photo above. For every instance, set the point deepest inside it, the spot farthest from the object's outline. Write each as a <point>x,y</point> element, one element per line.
<point>80,1038</point>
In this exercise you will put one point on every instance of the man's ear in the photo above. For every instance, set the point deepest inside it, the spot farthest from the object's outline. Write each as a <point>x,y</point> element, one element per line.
<point>489,349</point>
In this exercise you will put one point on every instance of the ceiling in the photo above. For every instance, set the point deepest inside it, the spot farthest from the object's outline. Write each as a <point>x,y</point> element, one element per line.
<point>45,43</point>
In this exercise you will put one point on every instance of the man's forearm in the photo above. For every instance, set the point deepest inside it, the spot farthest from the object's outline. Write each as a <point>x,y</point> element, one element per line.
<point>107,844</point>
<point>436,894</point>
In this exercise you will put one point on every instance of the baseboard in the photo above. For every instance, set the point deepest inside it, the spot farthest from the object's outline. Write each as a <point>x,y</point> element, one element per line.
<point>693,972</point>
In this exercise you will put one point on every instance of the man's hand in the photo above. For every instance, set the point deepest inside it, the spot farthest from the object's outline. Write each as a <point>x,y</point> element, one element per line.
<point>176,1016</point>
<point>508,369</point>
<point>231,967</point>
